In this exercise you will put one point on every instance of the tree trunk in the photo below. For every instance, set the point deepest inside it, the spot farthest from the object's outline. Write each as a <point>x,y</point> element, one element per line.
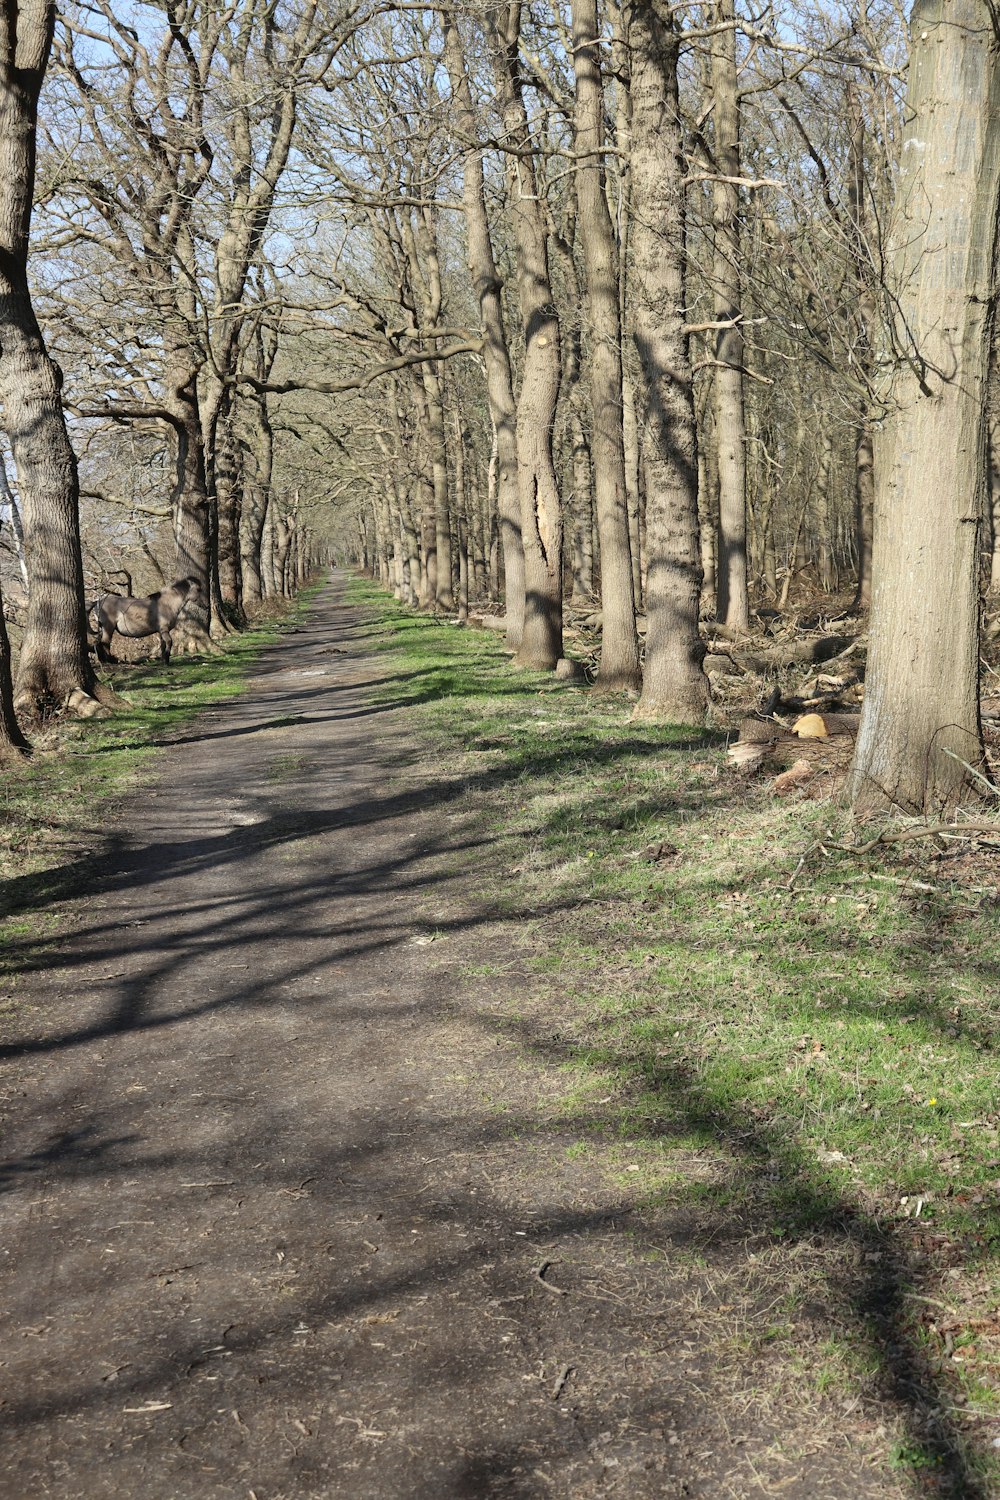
<point>425,503</point>
<point>733,606</point>
<point>583,519</point>
<point>991,567</point>
<point>229,501</point>
<point>828,579</point>
<point>674,685</point>
<point>920,723</point>
<point>443,598</point>
<point>619,663</point>
<point>13,745</point>
<point>258,489</point>
<point>541,516</point>
<point>865,314</point>
<point>496,353</point>
<point>54,667</point>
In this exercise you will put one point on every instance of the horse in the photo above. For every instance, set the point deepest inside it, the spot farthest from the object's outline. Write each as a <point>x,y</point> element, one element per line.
<point>151,614</point>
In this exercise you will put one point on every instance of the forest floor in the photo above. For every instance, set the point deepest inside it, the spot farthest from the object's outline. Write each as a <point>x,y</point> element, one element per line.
<point>429,1084</point>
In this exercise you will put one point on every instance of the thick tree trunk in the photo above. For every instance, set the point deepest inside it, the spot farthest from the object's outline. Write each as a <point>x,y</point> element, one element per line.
<point>260,442</point>
<point>619,663</point>
<point>991,568</point>
<point>496,352</point>
<point>674,685</point>
<point>541,515</point>
<point>443,598</point>
<point>13,745</point>
<point>189,500</point>
<point>865,315</point>
<point>733,606</point>
<point>229,501</point>
<point>824,503</point>
<point>425,503</point>
<point>267,552</point>
<point>54,667</point>
<point>920,725</point>
<point>583,517</point>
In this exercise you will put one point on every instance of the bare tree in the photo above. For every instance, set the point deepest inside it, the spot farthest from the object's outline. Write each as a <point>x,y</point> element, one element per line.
<point>619,664</point>
<point>674,684</point>
<point>496,353</point>
<point>541,511</point>
<point>733,598</point>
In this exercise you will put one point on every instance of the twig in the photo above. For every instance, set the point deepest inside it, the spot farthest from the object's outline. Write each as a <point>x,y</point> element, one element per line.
<point>933,830</point>
<point>983,780</point>
<point>564,1375</point>
<point>539,1275</point>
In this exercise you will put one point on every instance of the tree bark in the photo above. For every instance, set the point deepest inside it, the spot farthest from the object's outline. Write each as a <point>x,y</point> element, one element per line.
<point>13,745</point>
<point>619,662</point>
<point>865,315</point>
<point>733,605</point>
<point>229,496</point>
<point>674,685</point>
<point>920,724</point>
<point>54,667</point>
<point>496,352</point>
<point>259,440</point>
<point>541,514</point>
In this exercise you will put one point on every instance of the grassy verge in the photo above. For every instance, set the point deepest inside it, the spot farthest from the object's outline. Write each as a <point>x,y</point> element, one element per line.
<point>53,810</point>
<point>759,1028</point>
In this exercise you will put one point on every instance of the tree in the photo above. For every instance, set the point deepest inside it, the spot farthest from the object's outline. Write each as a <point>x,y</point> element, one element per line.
<point>674,685</point>
<point>496,352</point>
<point>920,728</point>
<point>541,509</point>
<point>619,664</point>
<point>733,601</point>
<point>54,666</point>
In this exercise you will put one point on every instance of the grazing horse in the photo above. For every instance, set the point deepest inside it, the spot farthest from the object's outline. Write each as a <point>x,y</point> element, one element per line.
<point>153,614</point>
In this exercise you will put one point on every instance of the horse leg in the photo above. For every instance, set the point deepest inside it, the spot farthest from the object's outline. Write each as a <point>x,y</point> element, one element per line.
<point>166,644</point>
<point>104,644</point>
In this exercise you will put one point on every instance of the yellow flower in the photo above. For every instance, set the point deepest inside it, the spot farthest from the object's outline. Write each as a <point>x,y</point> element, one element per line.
<point>932,1102</point>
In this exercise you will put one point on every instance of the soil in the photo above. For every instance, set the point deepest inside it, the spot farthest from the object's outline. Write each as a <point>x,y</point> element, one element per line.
<point>288,1209</point>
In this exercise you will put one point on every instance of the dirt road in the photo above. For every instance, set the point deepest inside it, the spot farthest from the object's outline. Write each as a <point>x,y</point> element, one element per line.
<point>284,1213</point>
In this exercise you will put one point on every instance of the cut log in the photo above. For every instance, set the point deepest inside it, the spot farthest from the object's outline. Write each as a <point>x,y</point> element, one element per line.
<point>765,745</point>
<point>717,661</point>
<point>822,726</point>
<point>797,653</point>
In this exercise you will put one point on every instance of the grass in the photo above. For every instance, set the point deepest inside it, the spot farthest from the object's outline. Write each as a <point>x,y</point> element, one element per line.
<point>54,809</point>
<point>779,1031</point>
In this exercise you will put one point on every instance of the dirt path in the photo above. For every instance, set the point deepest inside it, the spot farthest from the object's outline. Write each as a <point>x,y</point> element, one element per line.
<point>278,1191</point>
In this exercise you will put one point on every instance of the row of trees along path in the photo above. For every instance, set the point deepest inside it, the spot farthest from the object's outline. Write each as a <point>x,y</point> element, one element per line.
<point>535,300</point>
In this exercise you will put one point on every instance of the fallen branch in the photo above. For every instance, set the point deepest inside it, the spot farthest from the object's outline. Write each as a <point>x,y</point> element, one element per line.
<point>933,830</point>
<point>539,1275</point>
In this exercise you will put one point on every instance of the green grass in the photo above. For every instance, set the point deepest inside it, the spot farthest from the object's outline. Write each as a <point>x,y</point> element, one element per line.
<point>820,1037</point>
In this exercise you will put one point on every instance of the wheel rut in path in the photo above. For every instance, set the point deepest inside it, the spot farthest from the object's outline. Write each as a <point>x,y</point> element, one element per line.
<point>265,1231</point>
